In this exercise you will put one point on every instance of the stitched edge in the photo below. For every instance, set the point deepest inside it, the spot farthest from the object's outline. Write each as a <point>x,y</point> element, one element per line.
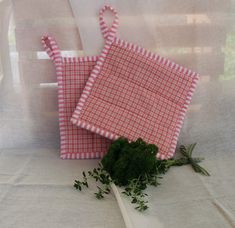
<point>88,155</point>
<point>148,54</point>
<point>80,59</point>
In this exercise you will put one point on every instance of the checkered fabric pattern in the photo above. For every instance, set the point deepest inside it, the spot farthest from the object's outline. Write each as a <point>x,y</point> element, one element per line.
<point>72,74</point>
<point>134,93</point>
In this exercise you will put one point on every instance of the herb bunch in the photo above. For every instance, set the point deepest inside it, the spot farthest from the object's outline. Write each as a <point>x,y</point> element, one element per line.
<point>134,166</point>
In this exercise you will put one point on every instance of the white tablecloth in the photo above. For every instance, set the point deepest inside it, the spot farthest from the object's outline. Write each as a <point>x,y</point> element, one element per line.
<point>187,200</point>
<point>36,190</point>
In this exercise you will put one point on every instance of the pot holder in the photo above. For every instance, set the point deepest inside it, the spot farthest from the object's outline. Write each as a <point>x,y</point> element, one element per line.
<point>72,74</point>
<point>134,93</point>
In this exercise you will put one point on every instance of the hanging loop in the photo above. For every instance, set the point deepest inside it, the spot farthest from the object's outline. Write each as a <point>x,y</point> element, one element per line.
<point>106,31</point>
<point>51,47</point>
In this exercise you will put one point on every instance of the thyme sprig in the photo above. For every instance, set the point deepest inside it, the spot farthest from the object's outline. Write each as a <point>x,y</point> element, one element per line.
<point>78,184</point>
<point>99,175</point>
<point>134,166</point>
<point>134,190</point>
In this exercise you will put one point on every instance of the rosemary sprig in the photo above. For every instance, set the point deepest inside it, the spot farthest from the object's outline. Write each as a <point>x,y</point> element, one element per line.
<point>187,153</point>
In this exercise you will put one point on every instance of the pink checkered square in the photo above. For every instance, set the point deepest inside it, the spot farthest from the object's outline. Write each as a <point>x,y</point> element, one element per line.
<point>72,75</point>
<point>134,93</point>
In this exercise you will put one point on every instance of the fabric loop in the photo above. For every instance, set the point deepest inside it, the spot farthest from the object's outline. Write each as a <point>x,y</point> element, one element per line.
<point>106,31</point>
<point>51,47</point>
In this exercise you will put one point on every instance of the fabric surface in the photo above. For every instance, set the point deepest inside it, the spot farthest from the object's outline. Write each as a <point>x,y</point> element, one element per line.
<point>189,200</point>
<point>136,94</point>
<point>36,190</point>
<point>72,75</point>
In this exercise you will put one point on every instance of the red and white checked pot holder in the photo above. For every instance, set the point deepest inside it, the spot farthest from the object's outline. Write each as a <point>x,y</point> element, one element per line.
<point>134,93</point>
<point>72,74</point>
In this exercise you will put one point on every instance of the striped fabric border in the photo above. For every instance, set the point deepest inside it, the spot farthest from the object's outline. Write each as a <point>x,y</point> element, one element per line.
<point>80,59</point>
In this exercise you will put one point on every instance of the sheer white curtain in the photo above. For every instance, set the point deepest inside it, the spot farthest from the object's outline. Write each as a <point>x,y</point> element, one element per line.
<point>28,89</point>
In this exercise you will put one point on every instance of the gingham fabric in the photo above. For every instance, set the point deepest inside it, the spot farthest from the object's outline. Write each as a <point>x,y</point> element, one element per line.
<point>72,74</point>
<point>134,93</point>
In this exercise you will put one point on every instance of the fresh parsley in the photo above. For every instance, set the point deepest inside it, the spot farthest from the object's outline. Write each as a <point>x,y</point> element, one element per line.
<point>134,166</point>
